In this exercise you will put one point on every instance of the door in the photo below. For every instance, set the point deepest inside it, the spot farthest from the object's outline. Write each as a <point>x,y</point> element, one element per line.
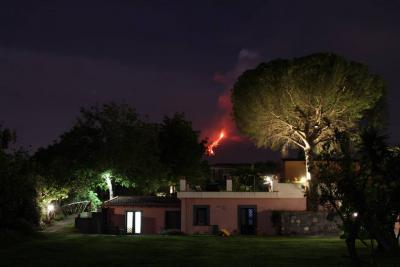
<point>172,220</point>
<point>133,222</point>
<point>247,216</point>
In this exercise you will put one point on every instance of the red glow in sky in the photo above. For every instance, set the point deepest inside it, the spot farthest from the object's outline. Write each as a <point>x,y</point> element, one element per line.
<point>210,148</point>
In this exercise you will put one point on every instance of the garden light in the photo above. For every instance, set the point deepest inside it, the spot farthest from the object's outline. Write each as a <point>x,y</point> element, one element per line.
<point>50,208</point>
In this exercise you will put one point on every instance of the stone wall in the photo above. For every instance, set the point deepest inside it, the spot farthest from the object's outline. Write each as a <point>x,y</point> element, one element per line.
<point>305,223</point>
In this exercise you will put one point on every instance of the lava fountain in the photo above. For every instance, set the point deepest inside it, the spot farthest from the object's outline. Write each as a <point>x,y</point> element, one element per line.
<point>210,148</point>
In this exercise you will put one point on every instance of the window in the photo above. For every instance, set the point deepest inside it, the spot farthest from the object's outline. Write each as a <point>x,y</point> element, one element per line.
<point>133,222</point>
<point>138,222</point>
<point>129,222</point>
<point>201,215</point>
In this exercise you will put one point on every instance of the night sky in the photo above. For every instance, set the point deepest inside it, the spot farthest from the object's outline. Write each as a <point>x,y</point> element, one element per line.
<point>167,56</point>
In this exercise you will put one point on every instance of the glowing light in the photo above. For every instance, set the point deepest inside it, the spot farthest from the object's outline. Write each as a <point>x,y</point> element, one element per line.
<point>210,148</point>
<point>134,222</point>
<point>355,214</point>
<point>268,180</point>
<point>50,208</point>
<point>129,222</point>
<point>138,222</point>
<point>304,179</point>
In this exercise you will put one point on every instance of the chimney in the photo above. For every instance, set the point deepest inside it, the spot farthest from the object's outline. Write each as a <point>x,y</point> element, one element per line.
<point>182,185</point>
<point>228,184</point>
<point>275,184</point>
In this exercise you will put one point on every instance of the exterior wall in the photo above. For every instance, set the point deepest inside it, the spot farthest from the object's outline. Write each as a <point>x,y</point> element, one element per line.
<point>153,218</point>
<point>293,169</point>
<point>307,223</point>
<point>224,212</point>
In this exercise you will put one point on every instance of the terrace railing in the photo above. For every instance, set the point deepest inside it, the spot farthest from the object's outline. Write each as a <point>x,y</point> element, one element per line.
<point>75,207</point>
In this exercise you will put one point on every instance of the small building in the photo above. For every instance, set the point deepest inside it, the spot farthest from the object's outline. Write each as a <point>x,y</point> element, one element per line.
<point>278,208</point>
<point>203,211</point>
<point>194,211</point>
<point>142,215</point>
<point>237,212</point>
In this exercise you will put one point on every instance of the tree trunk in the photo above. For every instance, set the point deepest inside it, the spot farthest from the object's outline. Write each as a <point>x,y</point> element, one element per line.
<point>351,248</point>
<point>312,191</point>
<point>309,162</point>
<point>109,185</point>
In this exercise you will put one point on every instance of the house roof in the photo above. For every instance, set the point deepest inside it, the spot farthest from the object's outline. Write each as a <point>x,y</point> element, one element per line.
<point>143,201</point>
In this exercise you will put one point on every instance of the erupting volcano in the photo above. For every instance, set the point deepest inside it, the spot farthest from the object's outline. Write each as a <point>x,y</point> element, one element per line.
<point>223,120</point>
<point>210,148</point>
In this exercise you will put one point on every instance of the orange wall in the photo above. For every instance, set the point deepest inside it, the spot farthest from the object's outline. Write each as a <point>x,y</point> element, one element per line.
<point>153,218</point>
<point>224,212</point>
<point>293,169</point>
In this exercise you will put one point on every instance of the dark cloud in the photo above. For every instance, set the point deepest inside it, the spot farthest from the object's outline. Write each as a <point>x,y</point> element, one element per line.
<point>164,56</point>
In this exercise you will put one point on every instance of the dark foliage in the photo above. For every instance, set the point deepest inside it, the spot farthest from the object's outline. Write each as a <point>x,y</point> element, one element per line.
<point>181,151</point>
<point>18,206</point>
<point>113,140</point>
<point>361,183</point>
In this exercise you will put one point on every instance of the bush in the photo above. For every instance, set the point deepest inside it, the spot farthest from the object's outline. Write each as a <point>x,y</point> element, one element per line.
<point>8,236</point>
<point>18,206</point>
<point>24,227</point>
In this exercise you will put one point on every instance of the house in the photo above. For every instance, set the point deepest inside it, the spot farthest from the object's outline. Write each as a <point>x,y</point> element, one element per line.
<point>194,211</point>
<point>142,214</point>
<point>237,212</point>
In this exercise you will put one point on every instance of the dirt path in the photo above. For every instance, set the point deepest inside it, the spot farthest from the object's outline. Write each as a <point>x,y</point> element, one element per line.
<point>65,225</point>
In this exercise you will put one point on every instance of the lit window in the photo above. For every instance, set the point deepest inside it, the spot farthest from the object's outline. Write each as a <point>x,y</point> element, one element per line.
<point>129,222</point>
<point>138,222</point>
<point>134,222</point>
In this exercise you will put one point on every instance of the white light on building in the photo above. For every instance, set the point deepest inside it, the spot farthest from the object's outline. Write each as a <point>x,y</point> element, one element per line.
<point>138,222</point>
<point>50,208</point>
<point>172,189</point>
<point>129,222</point>
<point>268,180</point>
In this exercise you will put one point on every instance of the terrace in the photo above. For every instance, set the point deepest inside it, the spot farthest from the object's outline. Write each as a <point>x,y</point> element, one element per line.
<point>274,190</point>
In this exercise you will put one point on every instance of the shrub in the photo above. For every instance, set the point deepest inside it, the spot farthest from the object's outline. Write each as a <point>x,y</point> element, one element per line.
<point>24,227</point>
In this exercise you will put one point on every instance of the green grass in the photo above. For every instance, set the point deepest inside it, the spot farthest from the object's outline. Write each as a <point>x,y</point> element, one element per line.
<point>77,250</point>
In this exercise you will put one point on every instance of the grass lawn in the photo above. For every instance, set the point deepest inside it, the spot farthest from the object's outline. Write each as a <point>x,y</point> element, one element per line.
<point>66,249</point>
